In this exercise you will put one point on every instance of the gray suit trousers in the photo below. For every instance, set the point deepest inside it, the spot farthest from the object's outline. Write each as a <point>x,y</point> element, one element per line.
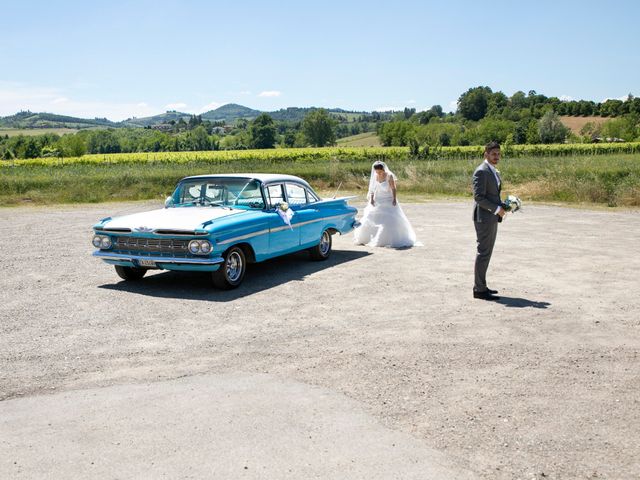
<point>486,233</point>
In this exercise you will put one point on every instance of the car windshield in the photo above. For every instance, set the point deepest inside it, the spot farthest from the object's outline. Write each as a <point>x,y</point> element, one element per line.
<point>221,192</point>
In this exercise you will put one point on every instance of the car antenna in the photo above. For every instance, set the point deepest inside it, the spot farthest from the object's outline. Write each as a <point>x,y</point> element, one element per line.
<point>334,195</point>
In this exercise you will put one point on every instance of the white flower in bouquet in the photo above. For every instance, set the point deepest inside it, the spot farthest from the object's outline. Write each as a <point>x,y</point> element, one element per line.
<point>512,204</point>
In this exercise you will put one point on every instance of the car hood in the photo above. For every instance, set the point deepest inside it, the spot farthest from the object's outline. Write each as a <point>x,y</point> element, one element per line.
<point>180,218</point>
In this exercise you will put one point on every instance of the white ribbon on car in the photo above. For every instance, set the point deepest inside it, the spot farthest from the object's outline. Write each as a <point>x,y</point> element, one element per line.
<point>286,216</point>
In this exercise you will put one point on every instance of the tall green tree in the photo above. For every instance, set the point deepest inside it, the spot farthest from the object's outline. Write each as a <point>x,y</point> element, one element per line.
<point>319,128</point>
<point>103,141</point>
<point>473,103</point>
<point>197,139</point>
<point>263,132</point>
<point>551,129</point>
<point>72,146</point>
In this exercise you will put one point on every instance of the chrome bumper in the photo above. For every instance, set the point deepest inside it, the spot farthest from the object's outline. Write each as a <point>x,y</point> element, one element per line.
<point>106,255</point>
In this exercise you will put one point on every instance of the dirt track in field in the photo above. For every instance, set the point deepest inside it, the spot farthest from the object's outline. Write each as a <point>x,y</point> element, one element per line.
<point>544,384</point>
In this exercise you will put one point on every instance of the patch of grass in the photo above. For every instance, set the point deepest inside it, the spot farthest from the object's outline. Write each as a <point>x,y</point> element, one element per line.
<point>369,139</point>
<point>612,180</point>
<point>12,132</point>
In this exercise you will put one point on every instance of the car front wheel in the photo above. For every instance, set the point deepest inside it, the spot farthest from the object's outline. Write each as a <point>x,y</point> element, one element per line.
<point>231,272</point>
<point>130,273</point>
<point>323,249</point>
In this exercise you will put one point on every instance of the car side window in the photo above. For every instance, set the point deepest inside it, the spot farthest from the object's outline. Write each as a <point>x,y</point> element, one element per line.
<point>296,194</point>
<point>311,197</point>
<point>275,195</point>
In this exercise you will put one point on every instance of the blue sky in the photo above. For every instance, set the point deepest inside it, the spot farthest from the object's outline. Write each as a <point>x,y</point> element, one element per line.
<point>120,59</point>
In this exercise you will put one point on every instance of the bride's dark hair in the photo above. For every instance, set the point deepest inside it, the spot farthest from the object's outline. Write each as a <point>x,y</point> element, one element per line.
<point>378,166</point>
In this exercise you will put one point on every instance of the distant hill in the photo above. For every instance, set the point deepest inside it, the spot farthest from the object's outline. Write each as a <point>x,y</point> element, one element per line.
<point>51,120</point>
<point>230,113</point>
<point>156,119</point>
<point>297,114</point>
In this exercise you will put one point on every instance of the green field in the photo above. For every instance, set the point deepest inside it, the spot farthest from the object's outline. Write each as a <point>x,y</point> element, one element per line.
<point>611,179</point>
<point>369,139</point>
<point>12,132</point>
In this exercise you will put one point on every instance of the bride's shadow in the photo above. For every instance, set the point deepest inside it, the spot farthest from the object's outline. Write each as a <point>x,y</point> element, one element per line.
<point>516,302</point>
<point>259,277</point>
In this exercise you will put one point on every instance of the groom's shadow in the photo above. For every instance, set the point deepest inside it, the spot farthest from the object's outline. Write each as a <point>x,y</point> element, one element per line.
<point>515,302</point>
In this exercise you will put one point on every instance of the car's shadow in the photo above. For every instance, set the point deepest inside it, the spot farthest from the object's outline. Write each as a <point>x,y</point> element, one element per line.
<point>259,277</point>
<point>515,302</point>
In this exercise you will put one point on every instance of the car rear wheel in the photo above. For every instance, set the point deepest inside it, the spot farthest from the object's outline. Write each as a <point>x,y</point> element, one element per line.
<point>130,273</point>
<point>231,272</point>
<point>322,251</point>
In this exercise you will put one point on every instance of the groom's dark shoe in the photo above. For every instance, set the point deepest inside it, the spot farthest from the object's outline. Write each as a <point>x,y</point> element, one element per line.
<point>492,292</point>
<point>486,295</point>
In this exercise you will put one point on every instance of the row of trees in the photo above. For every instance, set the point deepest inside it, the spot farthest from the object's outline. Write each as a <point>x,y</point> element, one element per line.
<point>480,102</point>
<point>528,130</point>
<point>317,129</point>
<point>182,125</point>
<point>482,115</point>
<point>120,140</point>
<point>446,132</point>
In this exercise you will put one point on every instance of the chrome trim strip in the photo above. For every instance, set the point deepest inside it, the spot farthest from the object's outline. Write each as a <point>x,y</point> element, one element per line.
<point>243,237</point>
<point>113,230</point>
<point>177,233</point>
<point>121,256</point>
<point>285,227</point>
<point>296,225</point>
<point>161,232</point>
<point>279,229</point>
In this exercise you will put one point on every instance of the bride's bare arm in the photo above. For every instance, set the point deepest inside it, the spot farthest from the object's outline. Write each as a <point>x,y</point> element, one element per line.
<point>392,184</point>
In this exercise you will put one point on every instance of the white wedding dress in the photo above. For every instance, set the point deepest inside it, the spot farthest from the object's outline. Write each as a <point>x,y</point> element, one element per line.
<point>383,224</point>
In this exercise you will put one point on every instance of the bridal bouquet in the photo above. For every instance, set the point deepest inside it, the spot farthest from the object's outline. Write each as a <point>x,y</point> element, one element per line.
<point>512,204</point>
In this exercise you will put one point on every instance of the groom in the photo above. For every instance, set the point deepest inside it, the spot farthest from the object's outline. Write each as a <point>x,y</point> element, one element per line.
<point>487,213</point>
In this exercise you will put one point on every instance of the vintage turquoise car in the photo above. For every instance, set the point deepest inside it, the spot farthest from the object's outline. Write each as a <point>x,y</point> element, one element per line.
<point>219,223</point>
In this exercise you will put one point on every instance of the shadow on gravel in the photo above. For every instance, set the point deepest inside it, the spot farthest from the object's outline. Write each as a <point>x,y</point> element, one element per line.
<point>515,302</point>
<point>259,277</point>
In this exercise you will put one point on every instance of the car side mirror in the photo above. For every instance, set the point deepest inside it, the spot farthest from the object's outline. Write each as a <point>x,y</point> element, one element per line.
<point>168,202</point>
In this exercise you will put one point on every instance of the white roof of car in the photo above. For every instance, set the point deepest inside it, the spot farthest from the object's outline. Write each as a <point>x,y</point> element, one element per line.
<point>263,177</point>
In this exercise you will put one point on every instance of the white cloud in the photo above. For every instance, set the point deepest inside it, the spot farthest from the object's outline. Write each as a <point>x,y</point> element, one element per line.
<point>245,92</point>
<point>15,97</point>
<point>453,105</point>
<point>566,98</point>
<point>211,106</point>
<point>175,106</point>
<point>411,102</point>
<point>622,98</point>
<point>270,93</point>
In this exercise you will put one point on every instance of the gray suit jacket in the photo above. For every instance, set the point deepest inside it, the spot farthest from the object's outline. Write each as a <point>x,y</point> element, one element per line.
<point>486,194</point>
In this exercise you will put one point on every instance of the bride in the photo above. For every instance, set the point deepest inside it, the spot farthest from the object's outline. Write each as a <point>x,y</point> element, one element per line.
<point>383,224</point>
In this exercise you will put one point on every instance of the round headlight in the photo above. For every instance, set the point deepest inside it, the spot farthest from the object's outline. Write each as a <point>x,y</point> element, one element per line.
<point>97,241</point>
<point>194,246</point>
<point>205,246</point>
<point>105,242</point>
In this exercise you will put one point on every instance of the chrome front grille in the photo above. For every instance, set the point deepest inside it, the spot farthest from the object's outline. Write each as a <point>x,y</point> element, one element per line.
<point>152,246</point>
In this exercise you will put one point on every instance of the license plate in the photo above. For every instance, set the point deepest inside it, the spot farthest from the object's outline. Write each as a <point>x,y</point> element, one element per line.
<point>146,263</point>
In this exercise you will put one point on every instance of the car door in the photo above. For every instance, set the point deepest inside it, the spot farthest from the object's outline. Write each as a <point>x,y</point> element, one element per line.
<point>282,237</point>
<point>307,215</point>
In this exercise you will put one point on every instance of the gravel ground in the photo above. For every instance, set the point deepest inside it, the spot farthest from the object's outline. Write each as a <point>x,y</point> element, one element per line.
<point>544,384</point>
